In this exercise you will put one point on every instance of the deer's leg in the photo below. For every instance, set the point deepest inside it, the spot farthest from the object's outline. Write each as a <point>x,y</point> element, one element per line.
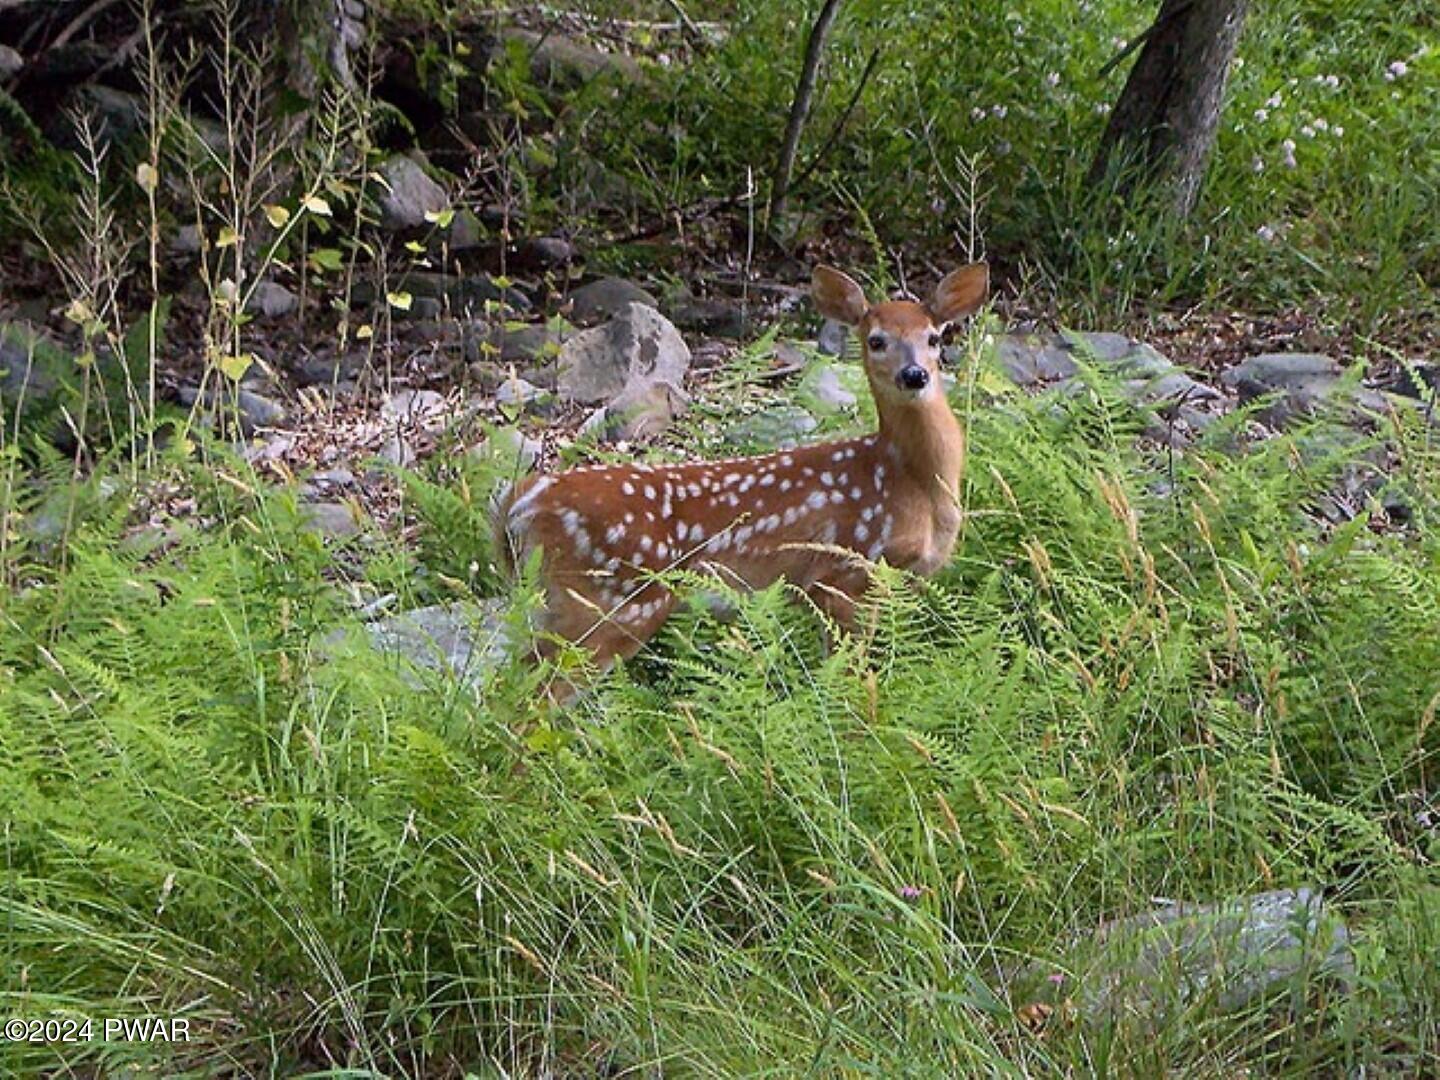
<point>837,592</point>
<point>607,630</point>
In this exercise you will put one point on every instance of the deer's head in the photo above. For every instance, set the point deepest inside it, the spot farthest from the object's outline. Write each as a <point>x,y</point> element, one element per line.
<point>901,338</point>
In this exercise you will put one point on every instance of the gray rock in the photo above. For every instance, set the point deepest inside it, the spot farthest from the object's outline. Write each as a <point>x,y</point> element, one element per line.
<point>422,308</point>
<point>459,641</point>
<point>30,364</point>
<point>1032,359</point>
<point>826,393</point>
<point>1029,359</point>
<point>538,343</point>
<point>715,316</point>
<point>340,477</point>
<point>635,349</point>
<point>1304,385</point>
<point>519,394</point>
<point>508,444</point>
<point>1230,953</point>
<point>559,60</point>
<point>778,428</point>
<point>118,115</point>
<point>408,194</point>
<point>271,301</point>
<point>1272,372</point>
<point>272,449</point>
<point>186,240</point>
<point>833,336</point>
<point>466,231</point>
<point>335,520</point>
<point>642,411</point>
<point>253,411</point>
<point>397,451</point>
<point>11,62</point>
<point>424,409</point>
<point>326,370</point>
<point>604,299</point>
<point>462,294</point>
<point>543,253</point>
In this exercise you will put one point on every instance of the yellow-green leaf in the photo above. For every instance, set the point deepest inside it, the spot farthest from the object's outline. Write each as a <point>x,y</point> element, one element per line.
<point>327,259</point>
<point>400,300</point>
<point>415,246</point>
<point>227,238</point>
<point>318,206</point>
<point>235,367</point>
<point>443,218</point>
<point>147,177</point>
<point>278,216</point>
<point>365,332</point>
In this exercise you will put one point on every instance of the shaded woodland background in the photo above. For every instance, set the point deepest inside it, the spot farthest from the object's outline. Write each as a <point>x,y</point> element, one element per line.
<point>1143,781</point>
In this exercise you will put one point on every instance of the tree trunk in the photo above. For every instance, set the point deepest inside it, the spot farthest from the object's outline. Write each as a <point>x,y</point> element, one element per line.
<point>800,107</point>
<point>1167,115</point>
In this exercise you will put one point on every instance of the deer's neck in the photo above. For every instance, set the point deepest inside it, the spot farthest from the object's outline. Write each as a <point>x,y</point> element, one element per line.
<point>928,444</point>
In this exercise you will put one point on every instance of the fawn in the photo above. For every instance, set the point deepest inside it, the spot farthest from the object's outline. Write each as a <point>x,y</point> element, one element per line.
<point>817,516</point>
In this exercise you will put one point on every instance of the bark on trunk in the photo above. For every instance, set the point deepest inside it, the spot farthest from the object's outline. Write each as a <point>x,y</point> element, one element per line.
<point>800,107</point>
<point>1168,113</point>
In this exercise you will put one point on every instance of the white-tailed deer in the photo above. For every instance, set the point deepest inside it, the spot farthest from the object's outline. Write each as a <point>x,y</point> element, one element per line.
<point>817,516</point>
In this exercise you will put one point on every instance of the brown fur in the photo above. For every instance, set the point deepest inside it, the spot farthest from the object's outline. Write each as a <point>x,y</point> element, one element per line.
<point>816,516</point>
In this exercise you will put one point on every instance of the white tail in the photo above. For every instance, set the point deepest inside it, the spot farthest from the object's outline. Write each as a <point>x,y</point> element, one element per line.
<point>605,530</point>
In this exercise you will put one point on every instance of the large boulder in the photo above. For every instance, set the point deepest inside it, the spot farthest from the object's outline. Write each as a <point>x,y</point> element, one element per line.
<point>636,349</point>
<point>408,194</point>
<point>458,641</point>
<point>1223,955</point>
<point>606,298</point>
<point>1302,385</point>
<point>31,365</point>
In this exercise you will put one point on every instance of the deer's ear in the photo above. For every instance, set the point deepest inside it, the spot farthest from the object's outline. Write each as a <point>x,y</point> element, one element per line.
<point>837,296</point>
<point>961,292</point>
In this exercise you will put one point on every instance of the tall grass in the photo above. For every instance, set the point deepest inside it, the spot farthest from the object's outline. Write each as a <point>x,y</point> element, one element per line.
<point>741,854</point>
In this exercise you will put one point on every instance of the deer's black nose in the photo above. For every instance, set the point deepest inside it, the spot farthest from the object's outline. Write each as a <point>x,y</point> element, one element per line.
<point>912,377</point>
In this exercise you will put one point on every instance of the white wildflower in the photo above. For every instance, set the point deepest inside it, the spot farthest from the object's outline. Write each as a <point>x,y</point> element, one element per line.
<point>1261,115</point>
<point>1266,233</point>
<point>1257,164</point>
<point>1338,131</point>
<point>1397,70</point>
<point>1287,150</point>
<point>999,111</point>
<point>1321,124</point>
<point>1275,100</point>
<point>1053,79</point>
<point>977,113</point>
<point>1307,131</point>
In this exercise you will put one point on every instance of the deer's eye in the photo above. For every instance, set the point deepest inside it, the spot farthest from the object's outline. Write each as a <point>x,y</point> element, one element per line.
<point>876,343</point>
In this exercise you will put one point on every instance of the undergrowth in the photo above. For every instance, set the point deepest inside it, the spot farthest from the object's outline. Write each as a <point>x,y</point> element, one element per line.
<point>1140,677</point>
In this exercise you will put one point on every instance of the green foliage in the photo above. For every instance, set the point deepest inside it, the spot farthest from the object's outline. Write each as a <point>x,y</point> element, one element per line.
<point>742,853</point>
<point>1016,88</point>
